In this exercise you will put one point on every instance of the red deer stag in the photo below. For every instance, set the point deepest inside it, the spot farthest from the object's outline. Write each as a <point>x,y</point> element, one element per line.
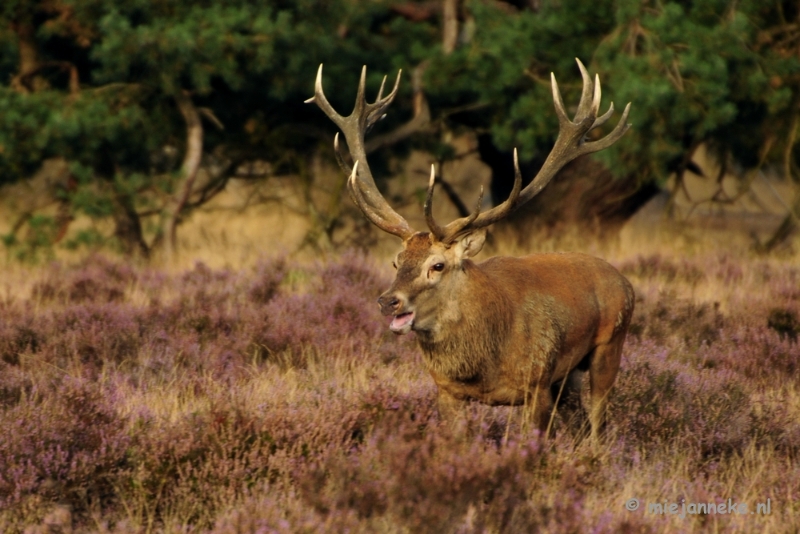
<point>506,331</point>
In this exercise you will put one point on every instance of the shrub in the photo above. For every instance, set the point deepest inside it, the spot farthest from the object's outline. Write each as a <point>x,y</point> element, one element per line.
<point>65,449</point>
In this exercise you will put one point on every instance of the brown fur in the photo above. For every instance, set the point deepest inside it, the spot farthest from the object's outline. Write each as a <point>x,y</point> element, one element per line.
<point>508,331</point>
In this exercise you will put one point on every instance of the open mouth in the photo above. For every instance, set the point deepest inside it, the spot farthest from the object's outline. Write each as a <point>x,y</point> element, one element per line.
<point>401,323</point>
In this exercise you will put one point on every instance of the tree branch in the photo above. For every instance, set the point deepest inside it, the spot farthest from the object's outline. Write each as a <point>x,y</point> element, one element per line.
<point>449,26</point>
<point>420,120</point>
<point>189,168</point>
<point>23,78</point>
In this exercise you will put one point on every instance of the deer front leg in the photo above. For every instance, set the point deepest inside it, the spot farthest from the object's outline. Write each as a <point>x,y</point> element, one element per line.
<point>450,408</point>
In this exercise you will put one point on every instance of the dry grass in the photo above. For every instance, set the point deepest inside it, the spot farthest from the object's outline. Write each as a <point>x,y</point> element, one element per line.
<point>264,394</point>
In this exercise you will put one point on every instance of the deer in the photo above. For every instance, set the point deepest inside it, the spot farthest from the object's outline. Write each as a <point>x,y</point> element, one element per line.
<point>505,331</point>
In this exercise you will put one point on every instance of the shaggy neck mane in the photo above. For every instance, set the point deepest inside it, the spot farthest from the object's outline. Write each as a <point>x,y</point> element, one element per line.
<point>474,321</point>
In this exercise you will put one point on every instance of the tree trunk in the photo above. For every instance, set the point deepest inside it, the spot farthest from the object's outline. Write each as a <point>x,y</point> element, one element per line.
<point>786,228</point>
<point>189,168</point>
<point>128,228</point>
<point>29,61</point>
<point>449,25</point>
<point>419,121</point>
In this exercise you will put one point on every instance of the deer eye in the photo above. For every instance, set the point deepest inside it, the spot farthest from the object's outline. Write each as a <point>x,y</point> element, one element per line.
<point>438,267</point>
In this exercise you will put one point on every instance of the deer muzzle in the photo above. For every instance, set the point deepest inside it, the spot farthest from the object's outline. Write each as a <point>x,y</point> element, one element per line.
<point>402,318</point>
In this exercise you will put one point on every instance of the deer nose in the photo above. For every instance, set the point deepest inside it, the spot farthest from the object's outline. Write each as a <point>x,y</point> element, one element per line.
<point>388,303</point>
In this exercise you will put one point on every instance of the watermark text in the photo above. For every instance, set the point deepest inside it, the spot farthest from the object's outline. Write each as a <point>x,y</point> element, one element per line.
<point>683,508</point>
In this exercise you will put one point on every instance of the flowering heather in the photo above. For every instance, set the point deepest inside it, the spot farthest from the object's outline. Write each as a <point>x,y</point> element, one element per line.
<point>273,399</point>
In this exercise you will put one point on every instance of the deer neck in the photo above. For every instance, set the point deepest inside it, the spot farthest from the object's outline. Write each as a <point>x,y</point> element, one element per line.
<point>471,326</point>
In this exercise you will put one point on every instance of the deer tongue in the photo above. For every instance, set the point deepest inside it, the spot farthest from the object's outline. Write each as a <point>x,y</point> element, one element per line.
<point>401,322</point>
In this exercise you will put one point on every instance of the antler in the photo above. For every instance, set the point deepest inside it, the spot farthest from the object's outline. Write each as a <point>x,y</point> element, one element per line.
<point>570,144</point>
<point>361,184</point>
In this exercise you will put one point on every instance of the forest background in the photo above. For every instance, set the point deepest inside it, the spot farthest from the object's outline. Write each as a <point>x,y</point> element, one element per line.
<point>135,116</point>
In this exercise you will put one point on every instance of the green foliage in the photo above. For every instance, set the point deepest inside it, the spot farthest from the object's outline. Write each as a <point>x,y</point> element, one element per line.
<point>86,129</point>
<point>186,45</point>
<point>698,74</point>
<point>37,245</point>
<point>101,93</point>
<point>695,72</point>
<point>89,238</point>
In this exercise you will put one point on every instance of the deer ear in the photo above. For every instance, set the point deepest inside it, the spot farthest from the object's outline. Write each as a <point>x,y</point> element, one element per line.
<point>470,244</point>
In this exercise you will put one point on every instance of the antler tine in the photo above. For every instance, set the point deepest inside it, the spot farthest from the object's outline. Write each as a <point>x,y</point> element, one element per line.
<point>618,131</point>
<point>358,197</point>
<point>599,121</point>
<point>380,90</point>
<point>515,191</point>
<point>558,101</point>
<point>361,99</point>
<point>375,111</point>
<point>385,101</point>
<point>435,229</point>
<point>586,103</point>
<point>322,102</point>
<point>597,95</point>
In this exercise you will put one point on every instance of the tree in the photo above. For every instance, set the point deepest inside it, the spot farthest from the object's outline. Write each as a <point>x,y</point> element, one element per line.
<point>153,106</point>
<point>164,102</point>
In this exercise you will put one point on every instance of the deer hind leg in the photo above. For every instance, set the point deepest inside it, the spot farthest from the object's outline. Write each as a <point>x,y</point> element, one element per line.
<point>538,409</point>
<point>567,396</point>
<point>603,368</point>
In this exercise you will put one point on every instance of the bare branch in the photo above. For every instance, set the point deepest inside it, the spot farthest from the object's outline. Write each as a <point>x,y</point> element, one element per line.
<point>189,168</point>
<point>449,25</point>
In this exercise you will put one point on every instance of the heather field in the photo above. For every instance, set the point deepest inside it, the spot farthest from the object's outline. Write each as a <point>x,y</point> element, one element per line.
<point>271,397</point>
